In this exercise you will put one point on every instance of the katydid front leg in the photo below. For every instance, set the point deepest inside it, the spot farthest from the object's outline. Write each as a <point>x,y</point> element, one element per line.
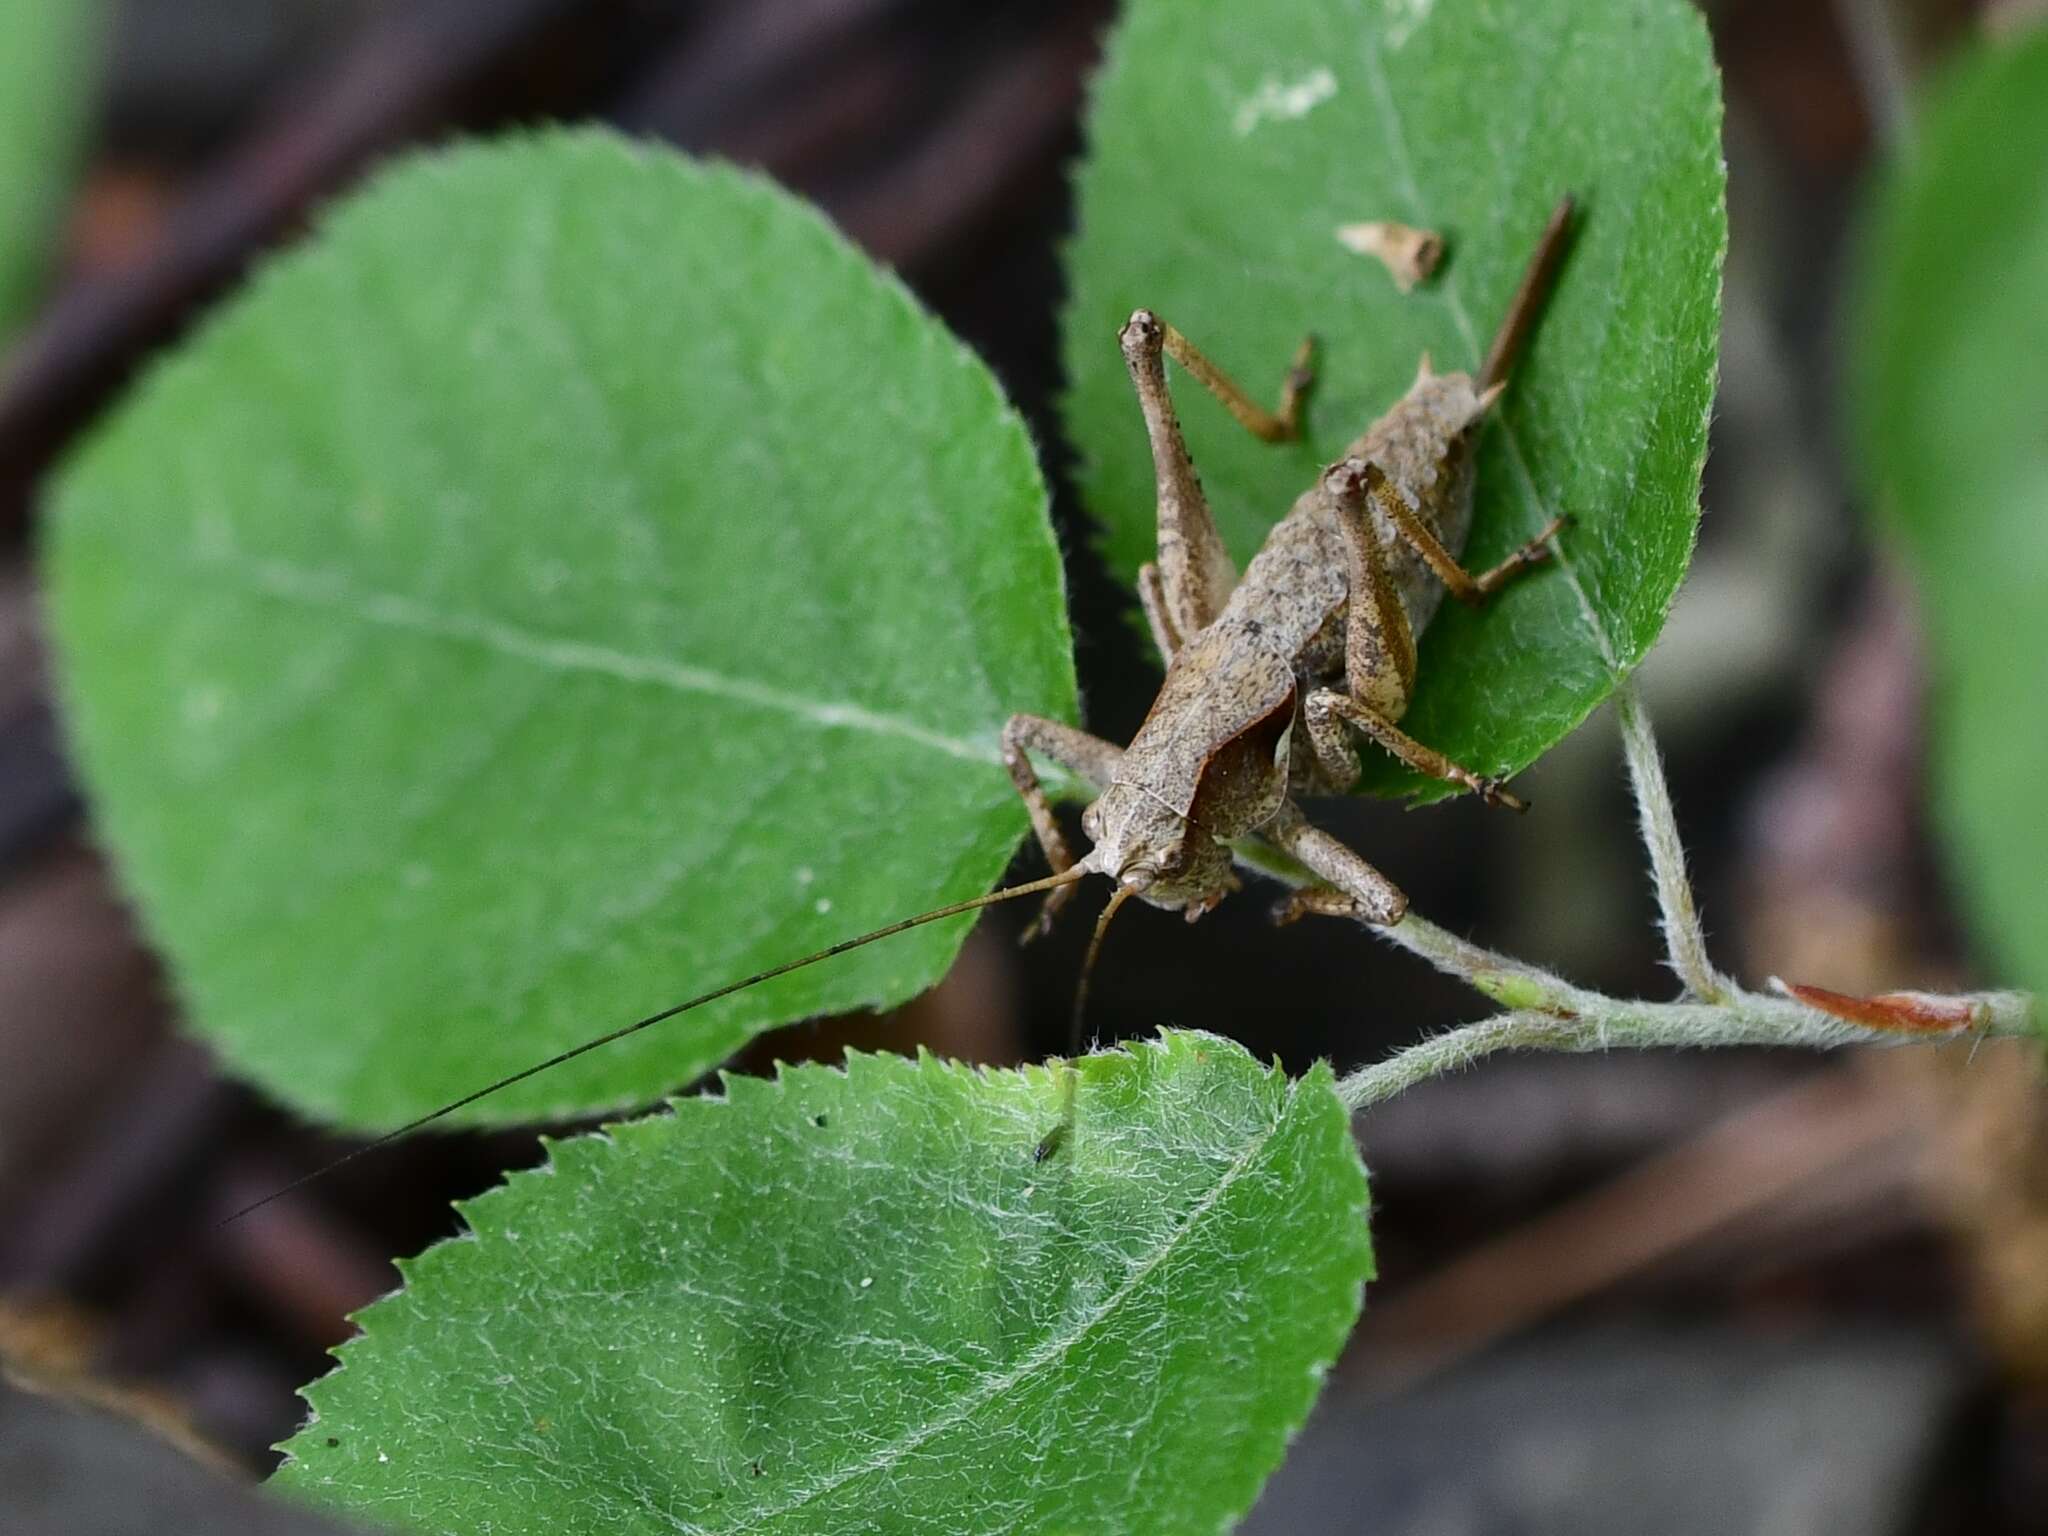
<point>1092,758</point>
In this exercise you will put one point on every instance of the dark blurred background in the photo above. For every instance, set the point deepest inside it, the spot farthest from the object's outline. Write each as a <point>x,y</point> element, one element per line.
<point>1730,1293</point>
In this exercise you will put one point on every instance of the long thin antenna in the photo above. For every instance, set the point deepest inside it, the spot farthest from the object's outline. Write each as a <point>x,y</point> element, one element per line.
<point>1050,1144</point>
<point>1123,893</point>
<point>1514,329</point>
<point>937,914</point>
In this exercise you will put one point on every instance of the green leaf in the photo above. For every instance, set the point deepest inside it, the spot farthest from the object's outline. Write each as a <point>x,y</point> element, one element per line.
<point>853,1301</point>
<point>1227,148</point>
<point>1951,329</point>
<point>46,49</point>
<point>575,580</point>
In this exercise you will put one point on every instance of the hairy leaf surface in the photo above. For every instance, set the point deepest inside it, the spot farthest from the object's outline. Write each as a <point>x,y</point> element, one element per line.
<point>573,581</point>
<point>854,1301</point>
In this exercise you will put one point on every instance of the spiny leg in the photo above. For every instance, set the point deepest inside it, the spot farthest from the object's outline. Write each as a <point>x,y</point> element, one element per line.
<point>1379,642</point>
<point>1379,656</point>
<point>1078,752</point>
<point>1195,570</point>
<point>1459,582</point>
<point>1355,888</point>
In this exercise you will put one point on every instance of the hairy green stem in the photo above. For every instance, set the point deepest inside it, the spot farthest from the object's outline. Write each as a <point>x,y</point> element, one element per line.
<point>1746,1018</point>
<point>1684,939</point>
<point>1544,1012</point>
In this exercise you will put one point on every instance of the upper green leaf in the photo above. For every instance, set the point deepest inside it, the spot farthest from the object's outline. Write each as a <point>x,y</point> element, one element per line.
<point>46,49</point>
<point>576,579</point>
<point>855,1302</point>
<point>1229,145</point>
<point>1952,327</point>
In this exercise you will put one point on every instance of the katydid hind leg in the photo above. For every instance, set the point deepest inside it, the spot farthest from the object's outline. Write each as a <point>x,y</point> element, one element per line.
<point>1282,424</point>
<point>1276,424</point>
<point>1195,572</point>
<point>1152,598</point>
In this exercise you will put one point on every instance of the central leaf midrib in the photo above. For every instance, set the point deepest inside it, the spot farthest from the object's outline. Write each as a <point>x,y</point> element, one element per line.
<point>285,582</point>
<point>1051,1352</point>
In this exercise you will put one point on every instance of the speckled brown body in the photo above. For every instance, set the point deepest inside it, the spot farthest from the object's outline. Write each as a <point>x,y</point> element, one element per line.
<point>1269,674</point>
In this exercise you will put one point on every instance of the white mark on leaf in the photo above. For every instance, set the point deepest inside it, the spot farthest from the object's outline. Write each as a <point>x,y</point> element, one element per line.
<point>1278,101</point>
<point>1405,18</point>
<point>824,905</point>
<point>205,704</point>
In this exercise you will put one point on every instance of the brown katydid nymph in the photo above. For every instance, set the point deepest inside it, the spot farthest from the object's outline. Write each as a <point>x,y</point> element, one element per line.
<point>1271,676</point>
<point>1268,675</point>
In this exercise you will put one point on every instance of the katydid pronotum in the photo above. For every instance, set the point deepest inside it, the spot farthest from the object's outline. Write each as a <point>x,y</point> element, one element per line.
<point>1318,633</point>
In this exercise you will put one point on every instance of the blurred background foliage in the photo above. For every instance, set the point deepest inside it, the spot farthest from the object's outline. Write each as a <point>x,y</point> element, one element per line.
<point>1744,1291</point>
<point>47,72</point>
<point>1952,442</point>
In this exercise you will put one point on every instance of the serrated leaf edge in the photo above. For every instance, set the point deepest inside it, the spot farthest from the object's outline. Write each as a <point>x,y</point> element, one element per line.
<point>1125,1057</point>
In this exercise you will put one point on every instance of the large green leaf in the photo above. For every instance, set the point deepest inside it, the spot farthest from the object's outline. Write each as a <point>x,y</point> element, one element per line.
<point>46,49</point>
<point>1952,331</point>
<point>1228,145</point>
<point>854,1301</point>
<point>576,579</point>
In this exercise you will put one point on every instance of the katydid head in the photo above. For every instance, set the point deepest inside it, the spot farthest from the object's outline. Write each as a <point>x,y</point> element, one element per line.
<point>1155,852</point>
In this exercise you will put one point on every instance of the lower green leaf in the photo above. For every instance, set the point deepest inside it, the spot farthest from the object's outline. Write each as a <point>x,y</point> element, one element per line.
<point>856,1301</point>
